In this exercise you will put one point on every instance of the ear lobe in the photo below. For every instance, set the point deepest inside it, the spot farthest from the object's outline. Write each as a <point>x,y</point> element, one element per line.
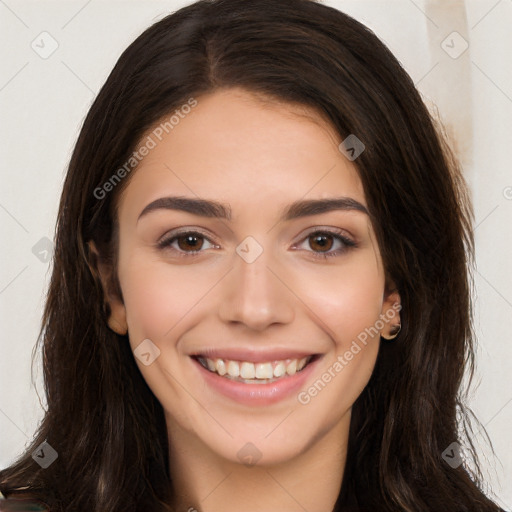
<point>117,322</point>
<point>391,308</point>
<point>116,309</point>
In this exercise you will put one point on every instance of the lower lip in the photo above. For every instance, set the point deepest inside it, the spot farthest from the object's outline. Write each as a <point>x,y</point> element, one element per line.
<point>257,394</point>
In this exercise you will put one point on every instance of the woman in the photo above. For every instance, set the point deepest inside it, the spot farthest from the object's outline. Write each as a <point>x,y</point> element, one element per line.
<point>260,292</point>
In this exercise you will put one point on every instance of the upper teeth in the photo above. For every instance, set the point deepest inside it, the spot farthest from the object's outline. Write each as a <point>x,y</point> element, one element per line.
<point>248,370</point>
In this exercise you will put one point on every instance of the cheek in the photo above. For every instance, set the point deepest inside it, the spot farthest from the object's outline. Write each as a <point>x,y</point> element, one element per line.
<point>349,304</point>
<point>347,299</point>
<point>157,296</point>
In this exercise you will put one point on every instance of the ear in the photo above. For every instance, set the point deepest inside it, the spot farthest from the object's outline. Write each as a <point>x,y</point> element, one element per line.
<point>390,313</point>
<point>117,311</point>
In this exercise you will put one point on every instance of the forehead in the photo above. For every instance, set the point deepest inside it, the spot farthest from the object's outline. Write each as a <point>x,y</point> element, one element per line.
<point>235,147</point>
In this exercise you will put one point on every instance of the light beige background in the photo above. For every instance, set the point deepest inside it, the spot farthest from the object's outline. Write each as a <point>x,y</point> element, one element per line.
<point>43,102</point>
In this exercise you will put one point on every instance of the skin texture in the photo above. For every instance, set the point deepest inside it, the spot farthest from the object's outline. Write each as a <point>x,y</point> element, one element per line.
<point>257,157</point>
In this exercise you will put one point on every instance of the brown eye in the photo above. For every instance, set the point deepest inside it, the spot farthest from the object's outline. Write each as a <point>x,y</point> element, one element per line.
<point>187,243</point>
<point>324,243</point>
<point>190,242</point>
<point>321,242</point>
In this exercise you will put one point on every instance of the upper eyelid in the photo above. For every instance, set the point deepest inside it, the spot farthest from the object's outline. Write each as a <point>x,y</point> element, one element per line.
<point>331,230</point>
<point>345,240</point>
<point>170,235</point>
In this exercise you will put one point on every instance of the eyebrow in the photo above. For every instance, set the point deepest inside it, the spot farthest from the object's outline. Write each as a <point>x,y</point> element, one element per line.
<point>214,209</point>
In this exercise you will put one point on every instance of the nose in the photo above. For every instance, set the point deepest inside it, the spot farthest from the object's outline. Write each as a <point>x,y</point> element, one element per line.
<point>256,296</point>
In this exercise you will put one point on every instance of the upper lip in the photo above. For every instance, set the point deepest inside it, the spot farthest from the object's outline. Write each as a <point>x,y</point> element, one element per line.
<point>252,356</point>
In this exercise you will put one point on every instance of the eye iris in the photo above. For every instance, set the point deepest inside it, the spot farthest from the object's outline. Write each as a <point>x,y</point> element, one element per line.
<point>323,242</point>
<point>190,242</point>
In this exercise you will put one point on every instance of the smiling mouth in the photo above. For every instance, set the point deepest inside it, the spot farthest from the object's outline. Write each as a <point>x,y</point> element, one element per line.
<point>255,373</point>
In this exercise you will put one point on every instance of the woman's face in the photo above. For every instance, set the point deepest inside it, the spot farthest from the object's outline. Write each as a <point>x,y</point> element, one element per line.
<point>266,263</point>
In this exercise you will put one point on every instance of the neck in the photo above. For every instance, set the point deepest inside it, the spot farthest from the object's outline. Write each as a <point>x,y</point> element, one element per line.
<point>205,482</point>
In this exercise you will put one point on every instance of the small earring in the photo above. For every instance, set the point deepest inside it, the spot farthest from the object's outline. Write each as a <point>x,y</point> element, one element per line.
<point>395,331</point>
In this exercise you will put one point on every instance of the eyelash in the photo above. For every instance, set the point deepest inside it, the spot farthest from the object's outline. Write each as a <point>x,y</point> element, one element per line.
<point>337,235</point>
<point>346,242</point>
<point>166,242</point>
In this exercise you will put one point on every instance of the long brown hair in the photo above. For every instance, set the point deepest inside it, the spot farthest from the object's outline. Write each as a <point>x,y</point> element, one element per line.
<point>103,420</point>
